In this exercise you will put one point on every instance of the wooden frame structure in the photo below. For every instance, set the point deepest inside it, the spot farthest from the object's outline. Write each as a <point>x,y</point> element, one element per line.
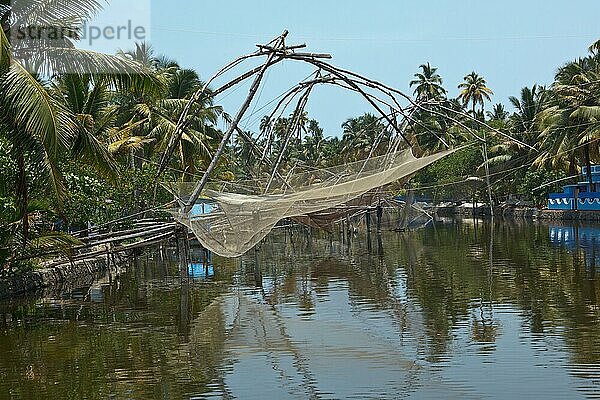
<point>385,100</point>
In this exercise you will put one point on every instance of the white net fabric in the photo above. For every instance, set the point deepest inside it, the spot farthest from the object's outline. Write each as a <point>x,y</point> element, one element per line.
<point>238,221</point>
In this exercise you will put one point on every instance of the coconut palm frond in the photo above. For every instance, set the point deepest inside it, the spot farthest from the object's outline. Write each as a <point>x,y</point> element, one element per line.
<point>53,12</point>
<point>131,143</point>
<point>33,110</point>
<point>587,112</point>
<point>73,89</point>
<point>497,160</point>
<point>89,150</point>
<point>59,242</point>
<point>5,54</point>
<point>88,62</point>
<point>127,130</point>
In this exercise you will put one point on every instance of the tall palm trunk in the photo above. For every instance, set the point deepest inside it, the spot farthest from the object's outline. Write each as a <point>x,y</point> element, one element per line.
<point>588,164</point>
<point>23,196</point>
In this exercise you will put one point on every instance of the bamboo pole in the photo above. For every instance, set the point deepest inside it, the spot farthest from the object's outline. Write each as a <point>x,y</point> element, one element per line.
<point>487,175</point>
<point>234,123</point>
<point>117,249</point>
<point>319,63</point>
<point>134,235</point>
<point>141,230</point>
<point>295,120</point>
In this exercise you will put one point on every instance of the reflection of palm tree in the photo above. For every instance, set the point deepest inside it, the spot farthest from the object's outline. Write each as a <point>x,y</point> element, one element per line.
<point>266,316</point>
<point>484,332</point>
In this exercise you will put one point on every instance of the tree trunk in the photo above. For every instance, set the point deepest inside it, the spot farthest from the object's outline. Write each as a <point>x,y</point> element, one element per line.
<point>23,196</point>
<point>573,166</point>
<point>588,164</point>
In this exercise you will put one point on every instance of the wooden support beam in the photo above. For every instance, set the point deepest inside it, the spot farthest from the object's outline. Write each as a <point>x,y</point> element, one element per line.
<point>285,48</point>
<point>143,231</point>
<point>127,236</point>
<point>379,217</point>
<point>295,120</point>
<point>233,125</point>
<point>116,249</point>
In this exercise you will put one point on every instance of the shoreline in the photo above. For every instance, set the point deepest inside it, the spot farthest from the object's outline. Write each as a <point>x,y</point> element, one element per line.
<point>61,277</point>
<point>521,213</point>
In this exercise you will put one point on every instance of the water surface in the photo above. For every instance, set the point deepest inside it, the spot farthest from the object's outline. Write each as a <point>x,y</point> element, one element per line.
<point>460,309</point>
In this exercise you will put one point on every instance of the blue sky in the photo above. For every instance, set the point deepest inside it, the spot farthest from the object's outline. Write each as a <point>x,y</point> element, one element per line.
<point>511,43</point>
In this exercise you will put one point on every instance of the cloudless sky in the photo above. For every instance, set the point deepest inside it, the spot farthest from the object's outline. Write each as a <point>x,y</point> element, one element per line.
<point>511,43</point>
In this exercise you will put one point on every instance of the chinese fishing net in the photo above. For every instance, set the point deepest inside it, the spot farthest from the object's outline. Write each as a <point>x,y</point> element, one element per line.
<point>231,218</point>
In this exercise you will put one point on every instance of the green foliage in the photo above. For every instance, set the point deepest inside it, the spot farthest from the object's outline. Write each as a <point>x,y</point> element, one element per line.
<point>530,185</point>
<point>85,148</point>
<point>428,84</point>
<point>19,253</point>
<point>455,168</point>
<point>474,90</point>
<point>8,168</point>
<point>95,200</point>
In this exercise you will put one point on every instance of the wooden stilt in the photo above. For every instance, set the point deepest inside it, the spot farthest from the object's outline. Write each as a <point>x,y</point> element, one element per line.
<point>183,246</point>
<point>348,227</point>
<point>379,217</point>
<point>257,270</point>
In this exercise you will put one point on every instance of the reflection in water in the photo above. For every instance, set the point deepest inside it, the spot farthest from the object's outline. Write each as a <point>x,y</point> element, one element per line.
<point>579,239</point>
<point>461,309</point>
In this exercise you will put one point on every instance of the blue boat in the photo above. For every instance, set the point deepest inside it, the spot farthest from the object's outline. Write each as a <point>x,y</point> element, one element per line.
<point>581,196</point>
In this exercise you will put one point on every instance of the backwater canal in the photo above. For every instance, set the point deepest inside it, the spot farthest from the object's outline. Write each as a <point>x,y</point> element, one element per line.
<point>460,309</point>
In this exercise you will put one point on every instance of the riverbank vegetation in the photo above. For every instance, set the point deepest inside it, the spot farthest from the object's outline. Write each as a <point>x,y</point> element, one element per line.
<point>79,149</point>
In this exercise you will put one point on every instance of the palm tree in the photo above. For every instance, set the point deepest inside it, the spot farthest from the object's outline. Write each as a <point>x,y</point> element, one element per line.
<point>5,53</point>
<point>522,124</point>
<point>38,126</point>
<point>430,132</point>
<point>595,47</point>
<point>144,55</point>
<point>89,101</point>
<point>498,113</point>
<point>149,120</point>
<point>428,84</point>
<point>571,123</point>
<point>531,103</point>
<point>312,150</point>
<point>474,91</point>
<point>362,134</point>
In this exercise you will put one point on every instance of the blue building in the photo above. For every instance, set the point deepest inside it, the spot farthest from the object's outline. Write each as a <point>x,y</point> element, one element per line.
<point>582,196</point>
<point>202,207</point>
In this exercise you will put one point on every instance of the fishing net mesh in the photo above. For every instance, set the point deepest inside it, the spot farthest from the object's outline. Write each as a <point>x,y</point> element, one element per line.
<point>242,214</point>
